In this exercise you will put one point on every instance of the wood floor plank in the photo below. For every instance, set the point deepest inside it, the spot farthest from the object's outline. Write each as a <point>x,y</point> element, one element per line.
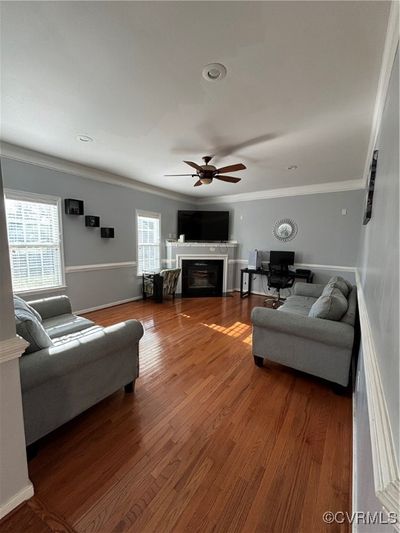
<point>208,442</point>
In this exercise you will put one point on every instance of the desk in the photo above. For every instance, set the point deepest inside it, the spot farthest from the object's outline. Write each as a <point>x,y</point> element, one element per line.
<point>307,275</point>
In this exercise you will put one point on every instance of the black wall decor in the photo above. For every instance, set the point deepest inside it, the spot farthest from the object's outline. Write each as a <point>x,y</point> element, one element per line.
<point>73,207</point>
<point>107,233</point>
<point>370,188</point>
<point>91,221</point>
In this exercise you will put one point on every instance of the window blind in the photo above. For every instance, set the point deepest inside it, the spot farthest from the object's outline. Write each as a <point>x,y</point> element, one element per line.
<point>35,242</point>
<point>148,238</point>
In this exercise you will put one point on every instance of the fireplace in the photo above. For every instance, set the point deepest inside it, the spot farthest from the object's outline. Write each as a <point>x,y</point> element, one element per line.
<point>202,277</point>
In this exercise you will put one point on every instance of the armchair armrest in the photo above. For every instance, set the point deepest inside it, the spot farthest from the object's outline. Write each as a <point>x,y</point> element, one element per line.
<point>308,289</point>
<point>316,329</point>
<point>54,306</point>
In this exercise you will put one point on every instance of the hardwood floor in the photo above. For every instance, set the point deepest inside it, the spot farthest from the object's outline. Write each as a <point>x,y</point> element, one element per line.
<point>208,441</point>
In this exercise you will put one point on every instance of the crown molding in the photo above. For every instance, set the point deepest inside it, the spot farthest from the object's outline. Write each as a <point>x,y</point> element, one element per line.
<point>24,155</point>
<point>388,57</point>
<point>338,186</point>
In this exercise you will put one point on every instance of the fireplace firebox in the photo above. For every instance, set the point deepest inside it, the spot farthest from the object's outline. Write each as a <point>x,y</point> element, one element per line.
<point>202,277</point>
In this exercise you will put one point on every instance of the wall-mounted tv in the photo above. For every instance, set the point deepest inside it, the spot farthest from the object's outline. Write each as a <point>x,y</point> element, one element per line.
<point>204,225</point>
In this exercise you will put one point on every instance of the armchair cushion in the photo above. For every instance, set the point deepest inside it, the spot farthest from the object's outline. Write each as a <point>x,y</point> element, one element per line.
<point>21,305</point>
<point>331,305</point>
<point>61,325</point>
<point>170,280</point>
<point>32,330</point>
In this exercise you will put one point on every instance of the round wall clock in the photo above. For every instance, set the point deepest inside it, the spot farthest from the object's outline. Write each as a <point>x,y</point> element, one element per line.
<point>285,229</point>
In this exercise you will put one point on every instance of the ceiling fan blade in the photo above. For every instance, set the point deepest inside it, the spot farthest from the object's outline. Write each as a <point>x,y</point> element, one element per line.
<point>231,168</point>
<point>197,184</point>
<point>180,175</point>
<point>230,179</point>
<point>194,165</point>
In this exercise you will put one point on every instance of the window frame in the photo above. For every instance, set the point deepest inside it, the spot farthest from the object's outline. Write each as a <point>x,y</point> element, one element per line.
<point>14,194</point>
<point>148,214</point>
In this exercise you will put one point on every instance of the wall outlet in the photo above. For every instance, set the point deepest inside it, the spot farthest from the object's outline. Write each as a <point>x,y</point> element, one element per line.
<point>344,211</point>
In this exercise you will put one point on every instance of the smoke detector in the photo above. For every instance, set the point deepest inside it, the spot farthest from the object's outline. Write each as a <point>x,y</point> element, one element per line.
<point>214,72</point>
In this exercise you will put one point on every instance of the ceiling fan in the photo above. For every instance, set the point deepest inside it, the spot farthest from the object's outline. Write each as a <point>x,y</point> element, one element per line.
<point>206,173</point>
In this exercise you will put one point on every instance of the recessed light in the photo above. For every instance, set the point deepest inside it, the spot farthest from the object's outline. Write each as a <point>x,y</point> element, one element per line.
<point>292,167</point>
<point>84,138</point>
<point>214,72</point>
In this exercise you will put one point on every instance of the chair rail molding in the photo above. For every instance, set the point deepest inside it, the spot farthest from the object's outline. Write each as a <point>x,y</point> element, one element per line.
<point>100,266</point>
<point>384,460</point>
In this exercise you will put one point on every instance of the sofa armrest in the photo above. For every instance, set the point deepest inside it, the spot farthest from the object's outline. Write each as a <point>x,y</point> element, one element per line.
<point>316,329</point>
<point>308,289</point>
<point>68,356</point>
<point>54,306</point>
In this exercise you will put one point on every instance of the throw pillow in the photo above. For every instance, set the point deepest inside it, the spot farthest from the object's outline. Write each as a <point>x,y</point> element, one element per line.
<point>30,329</point>
<point>340,283</point>
<point>19,303</point>
<point>331,305</point>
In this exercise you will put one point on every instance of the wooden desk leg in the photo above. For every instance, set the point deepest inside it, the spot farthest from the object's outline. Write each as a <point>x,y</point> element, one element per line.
<point>249,285</point>
<point>241,284</point>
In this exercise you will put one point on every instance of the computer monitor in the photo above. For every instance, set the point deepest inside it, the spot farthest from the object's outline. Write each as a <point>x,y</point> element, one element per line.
<point>281,259</point>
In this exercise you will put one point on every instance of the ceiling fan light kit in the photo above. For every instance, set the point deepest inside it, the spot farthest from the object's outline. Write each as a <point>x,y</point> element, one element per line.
<point>207,173</point>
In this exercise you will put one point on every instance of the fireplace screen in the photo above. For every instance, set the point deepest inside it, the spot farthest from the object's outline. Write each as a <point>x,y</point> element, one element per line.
<point>202,278</point>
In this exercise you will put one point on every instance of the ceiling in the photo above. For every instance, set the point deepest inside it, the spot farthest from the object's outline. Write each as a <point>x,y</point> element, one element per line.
<point>300,87</point>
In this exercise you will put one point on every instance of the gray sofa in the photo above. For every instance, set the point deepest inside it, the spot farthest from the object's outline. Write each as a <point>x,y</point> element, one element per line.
<point>84,364</point>
<point>291,337</point>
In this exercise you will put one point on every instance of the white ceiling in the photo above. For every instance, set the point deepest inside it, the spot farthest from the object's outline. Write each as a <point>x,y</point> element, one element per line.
<point>300,88</point>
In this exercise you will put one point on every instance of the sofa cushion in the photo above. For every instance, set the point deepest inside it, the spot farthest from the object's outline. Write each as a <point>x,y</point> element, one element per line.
<point>61,325</point>
<point>331,305</point>
<point>298,305</point>
<point>20,304</point>
<point>32,330</point>
<point>340,283</point>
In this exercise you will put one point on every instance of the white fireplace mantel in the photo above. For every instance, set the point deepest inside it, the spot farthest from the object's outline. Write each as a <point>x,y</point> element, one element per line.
<point>177,244</point>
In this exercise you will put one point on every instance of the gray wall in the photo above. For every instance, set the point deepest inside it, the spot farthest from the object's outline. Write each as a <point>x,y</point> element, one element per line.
<point>379,268</point>
<point>325,236</point>
<point>116,207</point>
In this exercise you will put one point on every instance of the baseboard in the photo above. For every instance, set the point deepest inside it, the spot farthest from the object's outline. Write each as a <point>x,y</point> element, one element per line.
<point>111,304</point>
<point>354,502</point>
<point>258,293</point>
<point>21,496</point>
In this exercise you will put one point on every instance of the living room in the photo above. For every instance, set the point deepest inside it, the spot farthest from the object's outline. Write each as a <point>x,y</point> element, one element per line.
<point>141,139</point>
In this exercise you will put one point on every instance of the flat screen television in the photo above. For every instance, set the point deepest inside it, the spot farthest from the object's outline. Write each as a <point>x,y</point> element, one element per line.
<point>204,225</point>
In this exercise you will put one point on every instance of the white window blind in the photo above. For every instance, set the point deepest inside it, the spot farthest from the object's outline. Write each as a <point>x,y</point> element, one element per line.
<point>148,239</point>
<point>34,236</point>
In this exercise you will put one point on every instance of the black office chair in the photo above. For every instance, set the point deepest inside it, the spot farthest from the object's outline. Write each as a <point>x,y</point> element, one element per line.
<point>279,277</point>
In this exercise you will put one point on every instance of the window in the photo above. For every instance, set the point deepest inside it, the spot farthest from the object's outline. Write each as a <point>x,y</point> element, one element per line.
<point>148,239</point>
<point>34,236</point>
